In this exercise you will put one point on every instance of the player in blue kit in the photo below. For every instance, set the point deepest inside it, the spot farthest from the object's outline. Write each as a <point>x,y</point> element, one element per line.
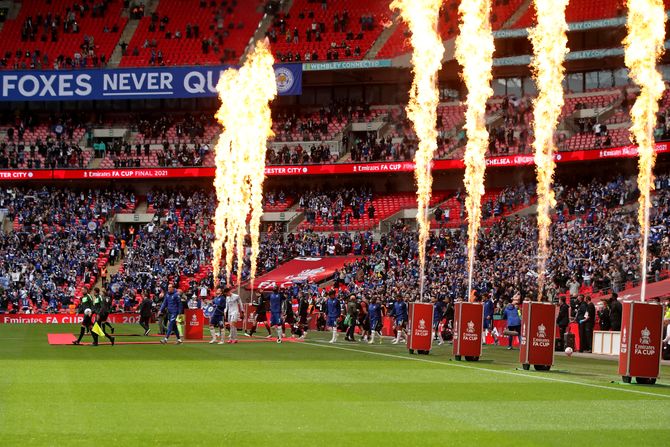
<point>333,311</point>
<point>375,315</point>
<point>276,301</point>
<point>216,320</point>
<point>399,311</point>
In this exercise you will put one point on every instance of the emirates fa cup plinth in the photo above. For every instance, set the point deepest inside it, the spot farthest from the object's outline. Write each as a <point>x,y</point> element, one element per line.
<point>538,330</point>
<point>419,330</point>
<point>468,329</point>
<point>641,333</point>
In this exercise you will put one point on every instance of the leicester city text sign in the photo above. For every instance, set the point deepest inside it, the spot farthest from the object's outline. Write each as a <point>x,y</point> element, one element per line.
<point>128,83</point>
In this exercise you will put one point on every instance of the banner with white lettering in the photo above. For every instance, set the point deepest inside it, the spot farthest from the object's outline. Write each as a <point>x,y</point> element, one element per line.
<point>506,161</point>
<point>300,270</point>
<point>129,83</point>
<point>121,318</point>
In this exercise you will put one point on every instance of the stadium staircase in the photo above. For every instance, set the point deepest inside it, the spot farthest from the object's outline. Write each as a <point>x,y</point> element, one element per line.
<point>509,23</point>
<point>263,26</point>
<point>383,38</point>
<point>126,36</point>
<point>129,32</point>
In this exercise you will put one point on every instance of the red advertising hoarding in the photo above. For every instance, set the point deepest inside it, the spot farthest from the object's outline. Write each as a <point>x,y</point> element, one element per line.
<point>538,331</point>
<point>317,169</point>
<point>420,327</point>
<point>468,328</point>
<point>641,334</point>
<point>195,321</point>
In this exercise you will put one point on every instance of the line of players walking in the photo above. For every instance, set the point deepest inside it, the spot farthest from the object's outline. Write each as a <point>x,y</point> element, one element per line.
<point>333,314</point>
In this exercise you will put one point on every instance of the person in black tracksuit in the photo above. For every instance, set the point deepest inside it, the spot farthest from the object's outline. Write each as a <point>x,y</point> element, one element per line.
<point>615,312</point>
<point>146,309</point>
<point>580,316</point>
<point>589,324</point>
<point>261,316</point>
<point>289,316</point>
<point>303,314</point>
<point>103,315</point>
<point>562,321</point>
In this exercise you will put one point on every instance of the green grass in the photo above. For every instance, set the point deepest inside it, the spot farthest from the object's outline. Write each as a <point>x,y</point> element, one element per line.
<point>310,394</point>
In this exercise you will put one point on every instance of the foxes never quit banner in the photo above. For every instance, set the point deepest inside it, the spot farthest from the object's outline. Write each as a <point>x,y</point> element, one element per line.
<point>129,83</point>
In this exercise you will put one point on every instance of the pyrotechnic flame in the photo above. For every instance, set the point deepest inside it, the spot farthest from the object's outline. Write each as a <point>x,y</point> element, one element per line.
<point>644,46</point>
<point>474,51</point>
<point>422,17</point>
<point>240,157</point>
<point>549,41</point>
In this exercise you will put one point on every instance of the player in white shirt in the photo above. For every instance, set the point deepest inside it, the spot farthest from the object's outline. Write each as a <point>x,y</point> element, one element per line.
<point>234,311</point>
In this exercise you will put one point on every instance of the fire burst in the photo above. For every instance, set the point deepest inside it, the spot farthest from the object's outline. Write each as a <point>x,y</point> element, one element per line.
<point>474,51</point>
<point>644,46</point>
<point>422,18</point>
<point>549,41</point>
<point>240,157</point>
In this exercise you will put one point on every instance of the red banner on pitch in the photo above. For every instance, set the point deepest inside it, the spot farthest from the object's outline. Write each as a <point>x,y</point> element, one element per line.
<point>468,328</point>
<point>641,334</point>
<point>538,331</point>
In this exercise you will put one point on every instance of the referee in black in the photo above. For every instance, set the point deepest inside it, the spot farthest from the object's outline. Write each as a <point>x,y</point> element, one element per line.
<point>146,310</point>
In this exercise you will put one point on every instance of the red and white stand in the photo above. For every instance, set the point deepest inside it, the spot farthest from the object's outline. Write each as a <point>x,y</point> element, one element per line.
<point>538,331</point>
<point>420,328</point>
<point>468,328</point>
<point>195,321</point>
<point>641,334</point>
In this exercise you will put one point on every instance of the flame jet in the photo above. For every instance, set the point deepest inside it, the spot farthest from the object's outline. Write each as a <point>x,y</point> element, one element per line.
<point>474,51</point>
<point>550,42</point>
<point>422,18</point>
<point>240,158</point>
<point>643,47</point>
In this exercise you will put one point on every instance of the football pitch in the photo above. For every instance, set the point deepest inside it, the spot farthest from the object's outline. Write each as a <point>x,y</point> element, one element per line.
<point>309,394</point>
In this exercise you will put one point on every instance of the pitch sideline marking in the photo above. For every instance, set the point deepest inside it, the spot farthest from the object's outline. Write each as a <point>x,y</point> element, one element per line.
<point>510,373</point>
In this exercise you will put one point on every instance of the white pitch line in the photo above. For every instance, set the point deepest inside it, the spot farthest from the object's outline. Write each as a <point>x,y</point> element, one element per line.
<point>510,373</point>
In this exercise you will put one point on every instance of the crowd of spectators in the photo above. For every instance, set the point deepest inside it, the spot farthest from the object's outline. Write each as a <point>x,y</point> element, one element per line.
<point>297,155</point>
<point>594,245</point>
<point>48,143</point>
<point>337,206</point>
<point>53,27</point>
<point>513,134</point>
<point>57,240</point>
<point>347,47</point>
<point>49,154</point>
<point>188,126</point>
<point>212,37</point>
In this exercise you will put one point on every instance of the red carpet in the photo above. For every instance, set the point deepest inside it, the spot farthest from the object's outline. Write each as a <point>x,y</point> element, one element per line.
<point>61,339</point>
<point>67,339</point>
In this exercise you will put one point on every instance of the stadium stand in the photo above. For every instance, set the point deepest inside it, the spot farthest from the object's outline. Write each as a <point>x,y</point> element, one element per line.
<point>62,34</point>
<point>179,243</point>
<point>329,30</point>
<point>193,32</point>
<point>399,43</point>
<point>583,11</point>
